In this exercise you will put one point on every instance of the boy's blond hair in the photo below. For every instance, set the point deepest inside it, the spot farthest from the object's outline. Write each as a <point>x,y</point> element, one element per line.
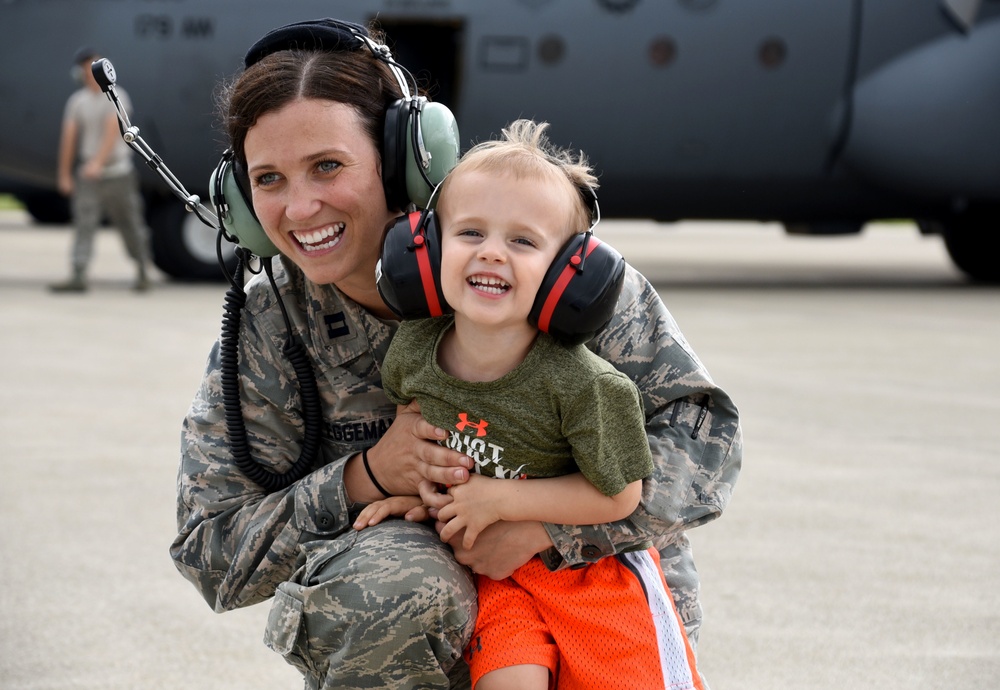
<point>525,151</point>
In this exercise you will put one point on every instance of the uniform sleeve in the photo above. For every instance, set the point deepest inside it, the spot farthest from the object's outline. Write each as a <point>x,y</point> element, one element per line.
<point>692,426</point>
<point>392,366</point>
<point>235,542</point>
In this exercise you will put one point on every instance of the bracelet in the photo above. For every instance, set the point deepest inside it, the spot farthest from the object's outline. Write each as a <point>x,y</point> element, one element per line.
<point>371,475</point>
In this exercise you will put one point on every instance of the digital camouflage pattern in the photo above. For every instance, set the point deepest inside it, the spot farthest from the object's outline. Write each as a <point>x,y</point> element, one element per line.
<point>388,607</point>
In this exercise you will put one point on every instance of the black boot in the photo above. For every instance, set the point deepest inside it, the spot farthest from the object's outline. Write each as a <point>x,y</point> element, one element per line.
<point>76,283</point>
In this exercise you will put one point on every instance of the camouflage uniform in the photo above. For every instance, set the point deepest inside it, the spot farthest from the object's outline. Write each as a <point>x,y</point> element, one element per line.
<point>388,607</point>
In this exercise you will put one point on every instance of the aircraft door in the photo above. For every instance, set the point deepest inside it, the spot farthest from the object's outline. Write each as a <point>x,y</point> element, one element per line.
<point>430,50</point>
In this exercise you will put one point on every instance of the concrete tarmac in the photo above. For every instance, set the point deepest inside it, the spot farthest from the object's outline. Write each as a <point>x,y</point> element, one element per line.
<point>861,548</point>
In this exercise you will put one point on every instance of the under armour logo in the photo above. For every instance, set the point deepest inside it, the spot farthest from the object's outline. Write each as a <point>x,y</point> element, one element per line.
<point>474,647</point>
<point>464,422</point>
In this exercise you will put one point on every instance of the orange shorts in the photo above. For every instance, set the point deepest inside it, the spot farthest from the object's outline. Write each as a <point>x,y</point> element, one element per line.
<point>610,625</point>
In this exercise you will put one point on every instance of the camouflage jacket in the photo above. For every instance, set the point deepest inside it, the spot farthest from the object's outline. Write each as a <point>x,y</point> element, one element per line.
<point>237,543</point>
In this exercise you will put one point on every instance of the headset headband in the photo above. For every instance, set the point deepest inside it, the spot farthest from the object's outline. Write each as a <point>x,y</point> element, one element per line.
<point>317,34</point>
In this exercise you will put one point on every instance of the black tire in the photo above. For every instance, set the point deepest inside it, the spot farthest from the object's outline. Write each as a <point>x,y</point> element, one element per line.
<point>183,247</point>
<point>971,240</point>
<point>49,208</point>
<point>826,228</point>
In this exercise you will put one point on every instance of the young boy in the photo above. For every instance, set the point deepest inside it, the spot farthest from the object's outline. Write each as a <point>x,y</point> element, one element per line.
<point>527,407</point>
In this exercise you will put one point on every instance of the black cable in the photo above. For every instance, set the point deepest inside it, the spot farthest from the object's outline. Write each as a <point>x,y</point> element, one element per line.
<point>218,254</point>
<point>295,351</point>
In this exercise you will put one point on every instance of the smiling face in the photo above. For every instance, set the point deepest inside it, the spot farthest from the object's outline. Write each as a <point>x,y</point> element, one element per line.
<point>315,175</point>
<point>499,235</point>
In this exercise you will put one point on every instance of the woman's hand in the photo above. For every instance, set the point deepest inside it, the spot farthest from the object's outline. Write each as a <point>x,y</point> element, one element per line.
<point>405,456</point>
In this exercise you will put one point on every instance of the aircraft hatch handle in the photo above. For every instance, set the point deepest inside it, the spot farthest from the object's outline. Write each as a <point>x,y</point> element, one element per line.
<point>104,73</point>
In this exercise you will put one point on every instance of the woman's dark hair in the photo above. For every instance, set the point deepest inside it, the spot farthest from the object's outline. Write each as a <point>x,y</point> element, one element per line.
<point>354,77</point>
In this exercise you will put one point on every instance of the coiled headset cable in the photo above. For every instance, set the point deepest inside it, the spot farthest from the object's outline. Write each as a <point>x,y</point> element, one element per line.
<point>295,351</point>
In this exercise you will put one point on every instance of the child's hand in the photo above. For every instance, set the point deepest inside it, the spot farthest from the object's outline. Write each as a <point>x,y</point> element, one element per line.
<point>410,508</point>
<point>474,507</point>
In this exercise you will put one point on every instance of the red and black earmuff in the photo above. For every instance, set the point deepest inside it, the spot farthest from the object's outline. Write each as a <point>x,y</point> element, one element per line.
<point>576,299</point>
<point>408,273</point>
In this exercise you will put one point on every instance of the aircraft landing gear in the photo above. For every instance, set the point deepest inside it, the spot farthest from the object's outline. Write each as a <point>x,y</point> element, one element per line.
<point>970,239</point>
<point>183,247</point>
<point>47,207</point>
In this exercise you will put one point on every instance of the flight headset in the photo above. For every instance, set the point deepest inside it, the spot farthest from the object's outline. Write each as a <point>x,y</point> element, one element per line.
<point>576,298</point>
<point>420,141</point>
<point>420,145</point>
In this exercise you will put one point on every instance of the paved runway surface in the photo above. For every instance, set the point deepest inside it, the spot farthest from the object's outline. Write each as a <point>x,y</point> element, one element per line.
<point>861,550</point>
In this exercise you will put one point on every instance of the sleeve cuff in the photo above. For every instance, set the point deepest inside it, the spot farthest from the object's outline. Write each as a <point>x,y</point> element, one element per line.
<point>321,505</point>
<point>576,546</point>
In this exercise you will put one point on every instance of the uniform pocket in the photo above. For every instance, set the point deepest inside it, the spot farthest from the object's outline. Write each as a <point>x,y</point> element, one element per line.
<point>284,624</point>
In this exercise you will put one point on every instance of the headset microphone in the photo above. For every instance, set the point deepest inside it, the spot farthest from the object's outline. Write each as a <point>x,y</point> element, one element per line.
<point>106,77</point>
<point>104,73</point>
<point>293,349</point>
<point>420,145</point>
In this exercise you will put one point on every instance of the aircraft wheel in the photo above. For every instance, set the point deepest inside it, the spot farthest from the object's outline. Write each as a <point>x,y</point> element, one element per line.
<point>970,239</point>
<point>834,227</point>
<point>183,247</point>
<point>49,208</point>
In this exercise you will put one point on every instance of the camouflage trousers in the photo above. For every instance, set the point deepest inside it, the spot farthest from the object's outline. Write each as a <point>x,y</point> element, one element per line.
<point>386,607</point>
<point>389,607</point>
<point>120,199</point>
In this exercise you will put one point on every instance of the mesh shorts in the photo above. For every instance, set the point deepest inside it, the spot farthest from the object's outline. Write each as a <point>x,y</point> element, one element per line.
<point>609,625</point>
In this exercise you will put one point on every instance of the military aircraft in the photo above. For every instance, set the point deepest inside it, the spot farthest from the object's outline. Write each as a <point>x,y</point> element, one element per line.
<point>819,114</point>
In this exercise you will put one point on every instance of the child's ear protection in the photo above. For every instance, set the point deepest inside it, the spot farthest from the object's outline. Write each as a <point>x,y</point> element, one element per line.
<point>420,141</point>
<point>580,291</point>
<point>576,299</point>
<point>408,273</point>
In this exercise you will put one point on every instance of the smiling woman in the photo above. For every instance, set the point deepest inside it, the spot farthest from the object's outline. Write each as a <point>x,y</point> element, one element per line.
<point>319,196</point>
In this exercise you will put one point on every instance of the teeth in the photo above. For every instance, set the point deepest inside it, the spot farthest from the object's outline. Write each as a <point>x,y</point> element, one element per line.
<point>491,285</point>
<point>320,239</point>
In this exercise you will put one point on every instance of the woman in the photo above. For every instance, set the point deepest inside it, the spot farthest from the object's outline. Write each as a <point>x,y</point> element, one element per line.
<point>390,606</point>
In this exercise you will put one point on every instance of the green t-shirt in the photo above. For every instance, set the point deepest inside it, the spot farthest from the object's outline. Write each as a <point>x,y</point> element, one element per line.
<point>561,410</point>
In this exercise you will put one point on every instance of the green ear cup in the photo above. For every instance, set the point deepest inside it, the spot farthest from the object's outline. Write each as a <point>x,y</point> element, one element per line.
<point>440,136</point>
<point>240,220</point>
